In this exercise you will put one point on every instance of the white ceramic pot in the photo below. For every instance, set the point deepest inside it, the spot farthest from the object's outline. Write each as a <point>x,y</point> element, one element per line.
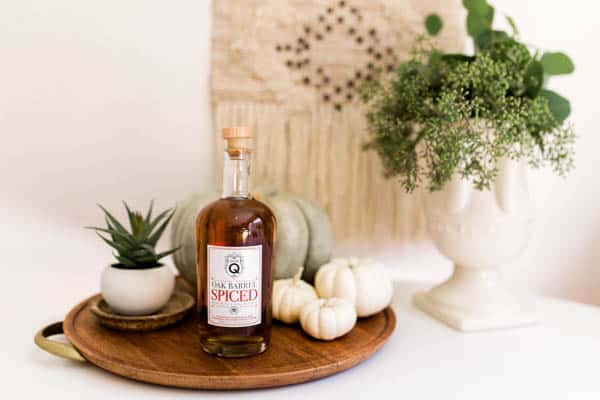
<point>480,231</point>
<point>137,291</point>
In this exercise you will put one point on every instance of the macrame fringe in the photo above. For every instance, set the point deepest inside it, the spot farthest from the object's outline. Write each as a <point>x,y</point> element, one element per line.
<point>318,153</point>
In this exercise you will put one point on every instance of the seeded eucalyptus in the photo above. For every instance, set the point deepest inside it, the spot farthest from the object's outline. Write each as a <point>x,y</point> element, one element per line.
<point>442,114</point>
<point>135,248</point>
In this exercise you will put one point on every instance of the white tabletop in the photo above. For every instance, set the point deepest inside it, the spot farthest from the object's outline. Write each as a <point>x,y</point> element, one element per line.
<point>556,359</point>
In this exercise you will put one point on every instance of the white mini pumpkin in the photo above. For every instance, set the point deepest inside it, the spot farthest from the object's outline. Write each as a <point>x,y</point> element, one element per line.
<point>363,282</point>
<point>327,319</point>
<point>289,296</point>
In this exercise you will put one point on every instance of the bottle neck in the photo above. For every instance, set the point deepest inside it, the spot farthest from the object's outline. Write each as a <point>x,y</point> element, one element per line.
<point>236,176</point>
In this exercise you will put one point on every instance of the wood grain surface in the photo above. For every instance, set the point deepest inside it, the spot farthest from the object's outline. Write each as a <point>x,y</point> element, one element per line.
<point>174,311</point>
<point>172,356</point>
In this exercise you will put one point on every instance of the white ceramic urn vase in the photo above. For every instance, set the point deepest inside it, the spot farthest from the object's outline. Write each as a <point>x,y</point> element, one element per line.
<point>137,291</point>
<point>480,231</point>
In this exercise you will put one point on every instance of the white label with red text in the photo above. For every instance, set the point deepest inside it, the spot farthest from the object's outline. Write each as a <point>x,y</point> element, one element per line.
<point>234,286</point>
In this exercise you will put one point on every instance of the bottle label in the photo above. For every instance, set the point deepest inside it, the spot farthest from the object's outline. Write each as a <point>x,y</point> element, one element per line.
<point>234,286</point>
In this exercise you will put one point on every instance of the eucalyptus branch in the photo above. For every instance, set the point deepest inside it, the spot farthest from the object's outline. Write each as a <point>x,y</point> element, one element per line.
<point>465,112</point>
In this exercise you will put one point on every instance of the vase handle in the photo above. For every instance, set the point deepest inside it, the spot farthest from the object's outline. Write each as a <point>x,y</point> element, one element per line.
<point>458,194</point>
<point>60,349</point>
<point>511,186</point>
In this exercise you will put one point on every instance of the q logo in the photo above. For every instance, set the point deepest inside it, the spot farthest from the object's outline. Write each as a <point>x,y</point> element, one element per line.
<point>234,268</point>
<point>234,264</point>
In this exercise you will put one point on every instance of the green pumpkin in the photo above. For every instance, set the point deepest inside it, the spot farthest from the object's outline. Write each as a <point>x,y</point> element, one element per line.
<point>291,246</point>
<point>304,236</point>
<point>320,238</point>
<point>183,233</point>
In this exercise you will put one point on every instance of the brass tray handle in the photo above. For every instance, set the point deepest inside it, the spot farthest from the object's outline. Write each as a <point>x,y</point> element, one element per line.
<point>61,349</point>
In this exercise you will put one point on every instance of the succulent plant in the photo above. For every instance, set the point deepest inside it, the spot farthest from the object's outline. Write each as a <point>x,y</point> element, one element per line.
<point>135,248</point>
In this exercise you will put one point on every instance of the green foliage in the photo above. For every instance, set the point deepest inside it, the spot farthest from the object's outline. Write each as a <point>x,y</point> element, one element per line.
<point>489,38</point>
<point>512,24</point>
<point>560,107</point>
<point>443,114</point>
<point>534,78</point>
<point>135,248</point>
<point>477,6</point>
<point>433,24</point>
<point>480,16</point>
<point>557,64</point>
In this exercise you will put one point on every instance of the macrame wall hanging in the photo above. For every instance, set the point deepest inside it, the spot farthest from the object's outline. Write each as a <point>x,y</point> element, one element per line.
<point>291,70</point>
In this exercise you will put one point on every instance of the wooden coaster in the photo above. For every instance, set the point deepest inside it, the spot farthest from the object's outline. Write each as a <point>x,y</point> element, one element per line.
<point>174,311</point>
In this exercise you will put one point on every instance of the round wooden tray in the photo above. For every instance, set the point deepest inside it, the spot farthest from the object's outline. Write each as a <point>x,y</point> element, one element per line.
<point>172,356</point>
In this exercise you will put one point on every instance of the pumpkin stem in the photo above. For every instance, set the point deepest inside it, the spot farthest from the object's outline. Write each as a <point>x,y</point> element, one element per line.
<point>298,275</point>
<point>257,195</point>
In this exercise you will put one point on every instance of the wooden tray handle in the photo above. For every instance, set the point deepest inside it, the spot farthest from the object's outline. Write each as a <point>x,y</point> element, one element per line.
<point>61,349</point>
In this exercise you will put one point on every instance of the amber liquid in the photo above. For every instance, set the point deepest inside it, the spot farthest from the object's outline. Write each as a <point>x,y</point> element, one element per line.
<point>235,221</point>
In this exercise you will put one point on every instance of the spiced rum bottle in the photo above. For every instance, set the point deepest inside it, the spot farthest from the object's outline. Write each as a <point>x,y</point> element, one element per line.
<point>235,238</point>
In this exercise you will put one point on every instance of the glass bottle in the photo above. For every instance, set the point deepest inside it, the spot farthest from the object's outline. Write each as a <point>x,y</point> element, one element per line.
<point>235,238</point>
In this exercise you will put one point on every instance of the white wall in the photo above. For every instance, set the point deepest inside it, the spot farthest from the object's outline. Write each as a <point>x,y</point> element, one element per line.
<point>103,100</point>
<point>108,100</point>
<point>564,255</point>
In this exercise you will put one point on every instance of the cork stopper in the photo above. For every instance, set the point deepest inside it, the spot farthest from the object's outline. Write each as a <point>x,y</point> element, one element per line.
<point>237,132</point>
<point>238,138</point>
